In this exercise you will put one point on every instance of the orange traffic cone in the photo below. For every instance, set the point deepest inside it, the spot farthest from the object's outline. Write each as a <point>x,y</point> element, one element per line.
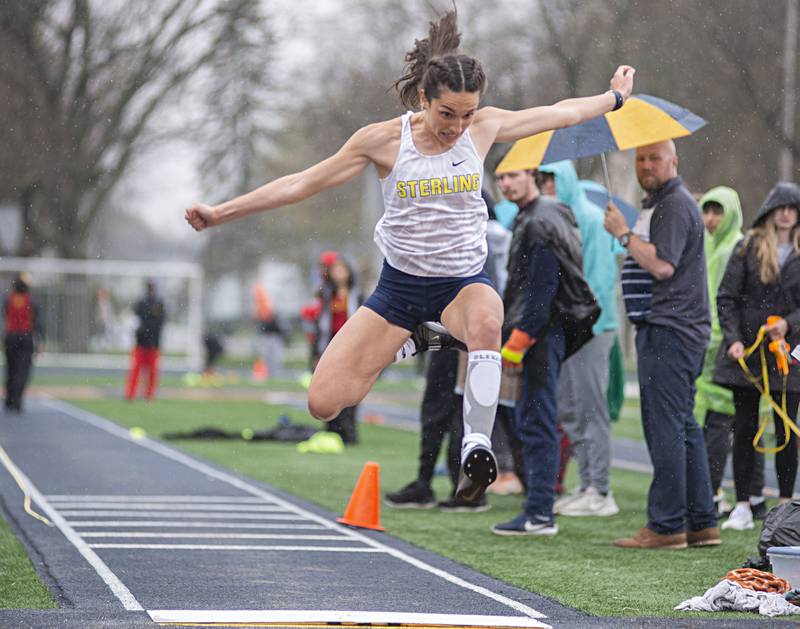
<point>260,371</point>
<point>364,508</point>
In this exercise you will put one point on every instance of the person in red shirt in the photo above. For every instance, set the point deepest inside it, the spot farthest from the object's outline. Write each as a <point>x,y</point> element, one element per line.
<point>22,337</point>
<point>339,300</point>
<point>151,313</point>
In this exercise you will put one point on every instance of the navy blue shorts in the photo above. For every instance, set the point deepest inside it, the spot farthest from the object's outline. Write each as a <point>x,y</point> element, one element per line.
<point>408,300</point>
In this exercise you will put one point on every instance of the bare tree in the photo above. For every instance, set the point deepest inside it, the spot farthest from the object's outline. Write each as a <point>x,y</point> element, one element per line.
<point>89,80</point>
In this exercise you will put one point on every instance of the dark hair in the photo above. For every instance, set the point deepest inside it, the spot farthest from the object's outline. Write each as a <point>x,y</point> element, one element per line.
<point>19,285</point>
<point>435,62</point>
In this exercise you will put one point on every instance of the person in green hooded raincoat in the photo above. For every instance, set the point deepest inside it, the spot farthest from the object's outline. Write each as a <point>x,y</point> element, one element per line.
<point>713,407</point>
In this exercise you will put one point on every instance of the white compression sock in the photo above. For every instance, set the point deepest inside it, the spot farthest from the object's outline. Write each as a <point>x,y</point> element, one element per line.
<point>481,393</point>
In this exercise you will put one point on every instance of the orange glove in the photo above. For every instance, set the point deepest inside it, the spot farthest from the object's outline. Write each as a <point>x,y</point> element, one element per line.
<point>515,348</point>
<point>781,350</point>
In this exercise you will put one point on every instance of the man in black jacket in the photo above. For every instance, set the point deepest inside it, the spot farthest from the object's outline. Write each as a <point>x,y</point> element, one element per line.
<point>549,312</point>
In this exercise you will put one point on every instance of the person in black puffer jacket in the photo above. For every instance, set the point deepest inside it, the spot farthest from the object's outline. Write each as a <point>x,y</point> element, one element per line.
<point>762,279</point>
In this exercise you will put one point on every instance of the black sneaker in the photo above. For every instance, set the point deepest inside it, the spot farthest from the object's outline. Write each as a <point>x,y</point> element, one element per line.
<point>759,510</point>
<point>478,471</point>
<point>413,496</point>
<point>523,525</point>
<point>454,505</point>
<point>431,337</point>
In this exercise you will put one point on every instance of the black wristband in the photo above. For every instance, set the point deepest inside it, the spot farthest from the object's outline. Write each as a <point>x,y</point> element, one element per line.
<point>618,98</point>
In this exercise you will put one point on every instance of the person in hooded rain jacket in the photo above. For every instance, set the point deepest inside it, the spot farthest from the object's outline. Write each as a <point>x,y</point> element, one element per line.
<point>583,383</point>
<point>762,279</point>
<point>713,405</point>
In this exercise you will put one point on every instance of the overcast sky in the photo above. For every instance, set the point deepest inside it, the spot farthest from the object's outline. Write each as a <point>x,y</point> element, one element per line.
<point>163,184</point>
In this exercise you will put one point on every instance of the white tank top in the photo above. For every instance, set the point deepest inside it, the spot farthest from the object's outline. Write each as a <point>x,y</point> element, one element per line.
<point>434,222</point>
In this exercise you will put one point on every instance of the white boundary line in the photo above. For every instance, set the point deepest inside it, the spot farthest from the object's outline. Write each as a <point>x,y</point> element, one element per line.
<point>299,618</point>
<point>156,506</point>
<point>214,535</point>
<point>54,498</point>
<point>214,515</point>
<point>198,525</point>
<point>247,547</point>
<point>188,461</point>
<point>111,580</point>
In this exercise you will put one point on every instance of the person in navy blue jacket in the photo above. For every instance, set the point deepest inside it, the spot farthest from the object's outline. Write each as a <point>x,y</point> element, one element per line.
<point>549,314</point>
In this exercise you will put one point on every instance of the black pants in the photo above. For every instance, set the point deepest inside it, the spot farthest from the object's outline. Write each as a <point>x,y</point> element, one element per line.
<point>718,433</point>
<point>344,425</point>
<point>441,414</point>
<point>19,358</point>
<point>745,401</point>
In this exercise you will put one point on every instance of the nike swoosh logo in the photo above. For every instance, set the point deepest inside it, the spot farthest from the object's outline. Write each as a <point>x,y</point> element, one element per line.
<point>459,163</point>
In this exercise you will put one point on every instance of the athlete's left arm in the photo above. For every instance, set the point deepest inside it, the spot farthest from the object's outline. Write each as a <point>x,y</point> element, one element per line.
<point>514,125</point>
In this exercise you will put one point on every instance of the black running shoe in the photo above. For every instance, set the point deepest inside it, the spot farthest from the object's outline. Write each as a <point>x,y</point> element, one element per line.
<point>478,471</point>
<point>413,496</point>
<point>759,510</point>
<point>454,505</point>
<point>431,337</point>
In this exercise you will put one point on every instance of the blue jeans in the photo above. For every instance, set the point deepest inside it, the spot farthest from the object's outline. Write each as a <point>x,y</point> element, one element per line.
<point>680,494</point>
<point>536,423</point>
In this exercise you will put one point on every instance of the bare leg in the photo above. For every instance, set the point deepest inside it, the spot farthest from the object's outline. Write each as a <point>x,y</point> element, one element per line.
<point>352,362</point>
<point>475,317</point>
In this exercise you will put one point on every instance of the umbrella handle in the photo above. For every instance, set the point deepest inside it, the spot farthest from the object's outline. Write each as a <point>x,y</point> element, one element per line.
<point>605,173</point>
<point>608,187</point>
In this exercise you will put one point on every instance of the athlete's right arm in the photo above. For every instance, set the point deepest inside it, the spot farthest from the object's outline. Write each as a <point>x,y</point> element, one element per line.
<point>347,163</point>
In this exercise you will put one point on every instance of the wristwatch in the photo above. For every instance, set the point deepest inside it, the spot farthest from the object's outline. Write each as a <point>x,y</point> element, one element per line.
<point>625,239</point>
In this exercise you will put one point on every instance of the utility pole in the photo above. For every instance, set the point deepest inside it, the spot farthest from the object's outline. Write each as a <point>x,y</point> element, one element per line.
<point>789,71</point>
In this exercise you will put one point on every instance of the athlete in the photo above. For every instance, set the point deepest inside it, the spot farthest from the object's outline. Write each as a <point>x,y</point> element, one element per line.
<point>432,234</point>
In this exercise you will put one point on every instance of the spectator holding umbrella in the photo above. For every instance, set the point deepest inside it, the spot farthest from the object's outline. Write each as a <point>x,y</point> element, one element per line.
<point>666,297</point>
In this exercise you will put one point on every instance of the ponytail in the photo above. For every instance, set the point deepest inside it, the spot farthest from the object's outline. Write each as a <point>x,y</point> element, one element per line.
<point>435,62</point>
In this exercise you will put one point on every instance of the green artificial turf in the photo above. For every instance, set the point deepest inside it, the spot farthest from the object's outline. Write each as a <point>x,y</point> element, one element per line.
<point>578,567</point>
<point>20,588</point>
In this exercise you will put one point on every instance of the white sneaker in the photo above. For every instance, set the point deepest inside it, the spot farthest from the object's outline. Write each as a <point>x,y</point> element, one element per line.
<point>565,500</point>
<point>605,506</point>
<point>591,503</point>
<point>740,519</point>
<point>721,502</point>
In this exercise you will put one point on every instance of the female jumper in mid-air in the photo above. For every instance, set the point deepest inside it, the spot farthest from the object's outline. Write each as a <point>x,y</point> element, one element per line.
<point>432,234</point>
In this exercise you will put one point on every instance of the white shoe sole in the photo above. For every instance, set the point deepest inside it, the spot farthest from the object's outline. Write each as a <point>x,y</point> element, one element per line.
<point>733,526</point>
<point>581,513</point>
<point>547,532</point>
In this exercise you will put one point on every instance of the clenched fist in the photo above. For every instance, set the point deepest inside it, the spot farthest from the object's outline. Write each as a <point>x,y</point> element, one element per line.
<point>200,216</point>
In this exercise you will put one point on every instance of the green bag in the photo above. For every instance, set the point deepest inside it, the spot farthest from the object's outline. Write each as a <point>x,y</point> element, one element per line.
<point>616,381</point>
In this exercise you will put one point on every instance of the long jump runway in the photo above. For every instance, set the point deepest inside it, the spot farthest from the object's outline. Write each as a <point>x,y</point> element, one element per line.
<point>145,533</point>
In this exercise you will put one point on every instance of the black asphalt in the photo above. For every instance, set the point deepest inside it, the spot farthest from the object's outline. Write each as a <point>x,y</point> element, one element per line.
<point>92,477</point>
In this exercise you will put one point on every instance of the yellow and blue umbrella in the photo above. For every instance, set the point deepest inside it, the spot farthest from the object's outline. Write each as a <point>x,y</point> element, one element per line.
<point>643,120</point>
